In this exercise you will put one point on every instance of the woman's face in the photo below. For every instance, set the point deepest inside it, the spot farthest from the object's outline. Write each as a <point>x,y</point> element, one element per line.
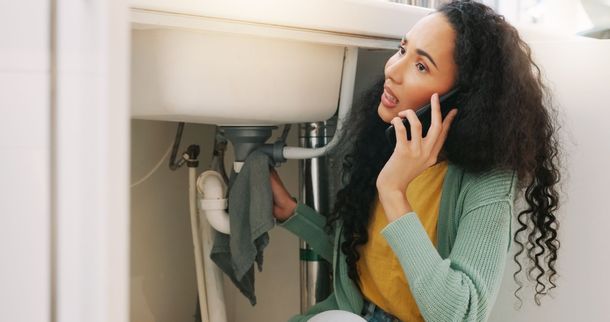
<point>423,66</point>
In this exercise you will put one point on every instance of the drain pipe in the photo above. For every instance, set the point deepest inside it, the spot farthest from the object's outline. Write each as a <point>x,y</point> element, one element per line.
<point>210,185</point>
<point>213,202</point>
<point>197,245</point>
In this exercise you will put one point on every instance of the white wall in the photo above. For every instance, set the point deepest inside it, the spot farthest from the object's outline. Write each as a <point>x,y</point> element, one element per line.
<point>24,161</point>
<point>579,74</point>
<point>90,162</point>
<point>163,286</point>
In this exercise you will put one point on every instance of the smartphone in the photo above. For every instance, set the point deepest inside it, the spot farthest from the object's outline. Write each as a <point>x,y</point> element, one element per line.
<point>424,114</point>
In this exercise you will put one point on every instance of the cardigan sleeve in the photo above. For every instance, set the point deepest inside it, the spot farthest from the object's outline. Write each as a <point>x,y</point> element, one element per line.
<point>464,286</point>
<point>308,224</point>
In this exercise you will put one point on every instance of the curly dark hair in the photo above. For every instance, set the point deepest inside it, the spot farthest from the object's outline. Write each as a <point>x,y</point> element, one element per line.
<point>506,121</point>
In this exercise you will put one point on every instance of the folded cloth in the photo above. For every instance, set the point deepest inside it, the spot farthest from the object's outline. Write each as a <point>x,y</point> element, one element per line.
<point>251,216</point>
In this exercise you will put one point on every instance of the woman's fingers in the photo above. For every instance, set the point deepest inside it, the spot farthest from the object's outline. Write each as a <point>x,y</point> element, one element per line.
<point>400,131</point>
<point>438,145</point>
<point>403,113</point>
<point>276,183</point>
<point>415,127</point>
<point>273,176</point>
<point>283,203</point>
<point>447,122</point>
<point>436,119</point>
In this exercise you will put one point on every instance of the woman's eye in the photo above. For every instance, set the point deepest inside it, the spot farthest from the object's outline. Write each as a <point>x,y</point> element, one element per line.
<point>421,67</point>
<point>401,50</point>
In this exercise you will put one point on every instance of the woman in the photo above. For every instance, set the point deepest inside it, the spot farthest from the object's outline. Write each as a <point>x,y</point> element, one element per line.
<point>421,230</point>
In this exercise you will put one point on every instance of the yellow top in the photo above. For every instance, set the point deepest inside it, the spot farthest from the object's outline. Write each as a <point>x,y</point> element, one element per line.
<point>382,279</point>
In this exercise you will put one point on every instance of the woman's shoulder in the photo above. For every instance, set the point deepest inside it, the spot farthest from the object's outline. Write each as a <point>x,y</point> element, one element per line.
<point>486,186</point>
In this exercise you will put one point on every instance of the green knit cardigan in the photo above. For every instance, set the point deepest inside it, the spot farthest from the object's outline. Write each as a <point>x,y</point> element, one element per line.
<point>460,280</point>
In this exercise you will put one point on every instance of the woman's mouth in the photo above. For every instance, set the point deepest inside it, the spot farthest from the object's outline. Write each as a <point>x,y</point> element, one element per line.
<point>388,99</point>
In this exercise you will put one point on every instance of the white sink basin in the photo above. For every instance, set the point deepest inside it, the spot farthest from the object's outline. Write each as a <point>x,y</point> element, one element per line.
<point>232,79</point>
<point>252,62</point>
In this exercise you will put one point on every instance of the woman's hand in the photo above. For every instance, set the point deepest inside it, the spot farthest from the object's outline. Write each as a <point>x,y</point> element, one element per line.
<point>283,204</point>
<point>411,157</point>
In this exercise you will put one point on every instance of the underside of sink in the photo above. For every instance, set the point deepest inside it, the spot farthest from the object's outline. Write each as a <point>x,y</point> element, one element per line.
<point>232,79</point>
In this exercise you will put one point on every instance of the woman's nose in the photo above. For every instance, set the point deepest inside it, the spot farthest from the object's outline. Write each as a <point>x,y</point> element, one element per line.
<point>395,68</point>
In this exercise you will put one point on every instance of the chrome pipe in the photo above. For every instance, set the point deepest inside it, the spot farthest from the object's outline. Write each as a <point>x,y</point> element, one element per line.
<point>317,180</point>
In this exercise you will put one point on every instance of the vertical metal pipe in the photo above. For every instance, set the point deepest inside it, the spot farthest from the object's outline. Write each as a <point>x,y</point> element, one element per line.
<point>317,182</point>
